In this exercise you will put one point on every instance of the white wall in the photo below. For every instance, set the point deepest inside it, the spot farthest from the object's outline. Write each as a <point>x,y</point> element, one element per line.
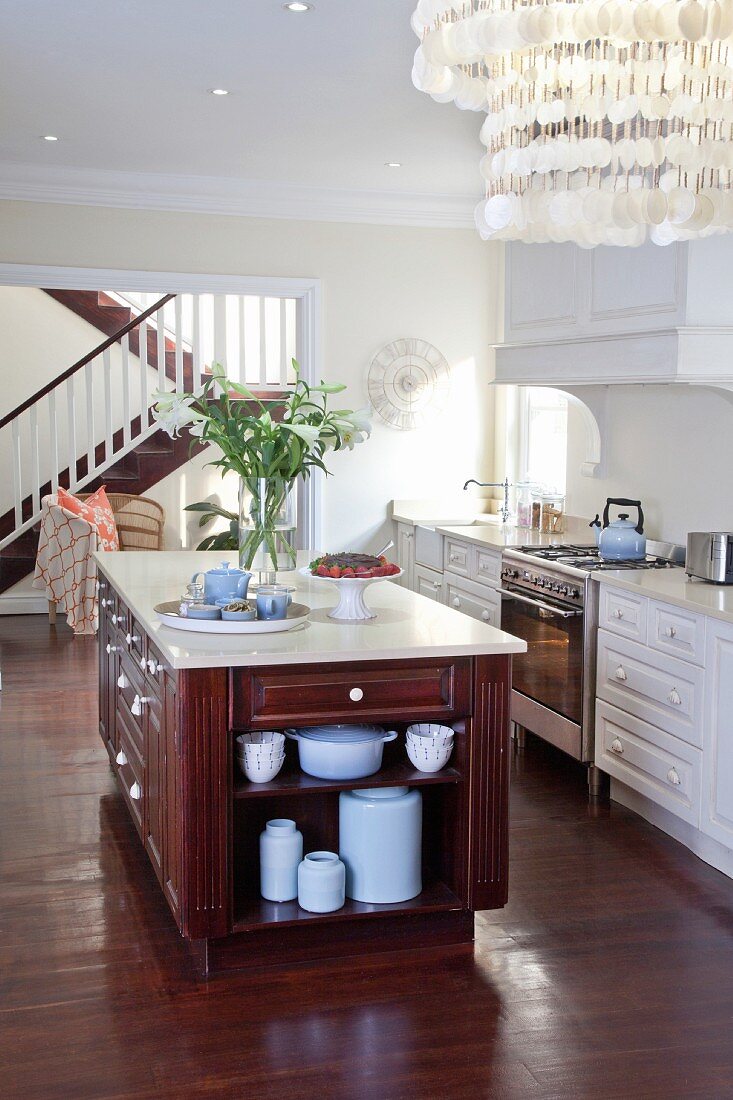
<point>379,283</point>
<point>669,446</point>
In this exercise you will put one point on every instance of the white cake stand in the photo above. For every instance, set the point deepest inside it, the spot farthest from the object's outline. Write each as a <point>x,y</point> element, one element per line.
<point>351,606</point>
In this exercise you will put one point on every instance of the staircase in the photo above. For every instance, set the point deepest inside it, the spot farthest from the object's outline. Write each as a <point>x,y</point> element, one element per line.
<point>93,424</point>
<point>129,453</point>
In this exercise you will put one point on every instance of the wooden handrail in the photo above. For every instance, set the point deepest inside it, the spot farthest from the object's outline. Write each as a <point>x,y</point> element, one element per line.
<point>87,359</point>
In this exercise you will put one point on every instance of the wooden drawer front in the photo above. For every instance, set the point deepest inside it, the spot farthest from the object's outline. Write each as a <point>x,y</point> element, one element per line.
<point>342,693</point>
<point>660,689</point>
<point>654,763</point>
<point>457,557</point>
<point>428,582</point>
<point>488,567</point>
<point>623,612</point>
<point>134,642</point>
<point>155,668</point>
<point>478,601</point>
<point>131,774</point>
<point>672,630</point>
<point>120,616</point>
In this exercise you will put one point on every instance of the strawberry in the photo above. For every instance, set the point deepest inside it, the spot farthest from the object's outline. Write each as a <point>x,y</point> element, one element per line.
<point>335,572</point>
<point>322,571</point>
<point>348,572</point>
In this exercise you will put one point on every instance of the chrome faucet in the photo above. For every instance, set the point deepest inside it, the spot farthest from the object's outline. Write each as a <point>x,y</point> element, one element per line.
<point>505,511</point>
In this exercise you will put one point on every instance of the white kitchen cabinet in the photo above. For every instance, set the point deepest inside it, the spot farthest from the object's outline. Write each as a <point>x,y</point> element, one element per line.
<point>675,631</point>
<point>428,582</point>
<point>457,556</point>
<point>623,612</point>
<point>406,553</point>
<point>717,797</point>
<point>487,566</point>
<point>477,600</point>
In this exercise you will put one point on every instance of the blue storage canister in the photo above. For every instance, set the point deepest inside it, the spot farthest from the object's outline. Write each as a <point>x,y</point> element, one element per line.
<point>380,842</point>
<point>281,850</point>
<point>321,878</point>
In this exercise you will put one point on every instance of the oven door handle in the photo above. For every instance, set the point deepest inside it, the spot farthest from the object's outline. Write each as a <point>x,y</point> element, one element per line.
<point>569,614</point>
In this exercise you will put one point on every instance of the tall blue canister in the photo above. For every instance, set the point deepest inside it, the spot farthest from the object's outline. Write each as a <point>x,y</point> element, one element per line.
<point>380,842</point>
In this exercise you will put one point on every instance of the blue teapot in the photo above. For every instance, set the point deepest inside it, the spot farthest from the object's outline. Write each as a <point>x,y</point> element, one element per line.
<point>621,539</point>
<point>224,584</point>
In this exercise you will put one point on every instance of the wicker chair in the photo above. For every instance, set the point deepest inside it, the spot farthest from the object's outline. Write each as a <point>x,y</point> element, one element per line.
<point>140,522</point>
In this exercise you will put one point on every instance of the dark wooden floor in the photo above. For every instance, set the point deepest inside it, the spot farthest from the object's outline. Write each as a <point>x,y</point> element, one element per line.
<point>610,973</point>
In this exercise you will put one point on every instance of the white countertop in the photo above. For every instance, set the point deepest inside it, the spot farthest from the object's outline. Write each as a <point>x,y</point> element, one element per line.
<point>675,587</point>
<point>407,625</point>
<point>496,536</point>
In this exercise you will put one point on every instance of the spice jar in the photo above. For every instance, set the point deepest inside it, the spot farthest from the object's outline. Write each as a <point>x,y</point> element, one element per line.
<point>524,504</point>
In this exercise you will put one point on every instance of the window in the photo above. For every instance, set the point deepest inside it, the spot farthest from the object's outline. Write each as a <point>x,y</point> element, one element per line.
<point>543,416</point>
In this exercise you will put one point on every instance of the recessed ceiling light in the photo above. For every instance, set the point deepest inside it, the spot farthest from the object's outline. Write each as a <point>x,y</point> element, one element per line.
<point>298,6</point>
<point>50,137</point>
<point>393,164</point>
<point>219,91</point>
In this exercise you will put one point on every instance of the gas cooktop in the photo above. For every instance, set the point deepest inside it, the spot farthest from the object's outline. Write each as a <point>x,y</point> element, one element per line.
<point>588,559</point>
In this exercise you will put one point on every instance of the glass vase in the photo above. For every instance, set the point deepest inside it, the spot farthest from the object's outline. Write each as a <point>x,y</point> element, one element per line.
<point>267,525</point>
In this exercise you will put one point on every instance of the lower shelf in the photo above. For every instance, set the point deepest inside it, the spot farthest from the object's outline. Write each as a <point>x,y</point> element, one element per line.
<point>252,913</point>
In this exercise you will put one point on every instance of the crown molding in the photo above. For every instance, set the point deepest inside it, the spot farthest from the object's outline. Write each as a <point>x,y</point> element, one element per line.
<point>240,198</point>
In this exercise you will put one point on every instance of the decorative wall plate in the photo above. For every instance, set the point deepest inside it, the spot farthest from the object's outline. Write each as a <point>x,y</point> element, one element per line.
<point>409,383</point>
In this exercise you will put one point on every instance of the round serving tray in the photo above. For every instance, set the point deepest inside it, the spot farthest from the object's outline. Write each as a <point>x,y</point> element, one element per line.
<point>169,614</point>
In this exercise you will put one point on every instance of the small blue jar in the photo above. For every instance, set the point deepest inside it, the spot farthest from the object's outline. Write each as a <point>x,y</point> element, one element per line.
<point>321,882</point>
<point>281,850</point>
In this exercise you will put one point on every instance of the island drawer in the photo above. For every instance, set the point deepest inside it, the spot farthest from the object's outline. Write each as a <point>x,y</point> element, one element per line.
<point>131,774</point>
<point>409,690</point>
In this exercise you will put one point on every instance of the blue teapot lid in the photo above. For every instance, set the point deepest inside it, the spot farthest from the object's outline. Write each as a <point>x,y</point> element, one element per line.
<point>226,569</point>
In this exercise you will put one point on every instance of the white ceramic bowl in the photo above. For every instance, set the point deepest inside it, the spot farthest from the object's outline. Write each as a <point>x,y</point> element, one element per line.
<point>262,737</point>
<point>262,771</point>
<point>428,731</point>
<point>429,760</point>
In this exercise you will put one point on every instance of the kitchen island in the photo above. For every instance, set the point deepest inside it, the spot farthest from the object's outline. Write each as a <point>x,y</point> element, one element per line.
<point>171,704</point>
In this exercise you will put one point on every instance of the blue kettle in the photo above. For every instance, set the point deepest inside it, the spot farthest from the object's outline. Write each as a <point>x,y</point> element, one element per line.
<point>621,539</point>
<point>224,584</point>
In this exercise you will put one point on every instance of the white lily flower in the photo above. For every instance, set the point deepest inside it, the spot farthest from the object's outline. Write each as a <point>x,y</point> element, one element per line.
<point>306,432</point>
<point>361,420</point>
<point>173,411</point>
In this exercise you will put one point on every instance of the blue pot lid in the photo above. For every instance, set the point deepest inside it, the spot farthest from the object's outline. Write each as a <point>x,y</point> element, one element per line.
<point>335,735</point>
<point>226,569</point>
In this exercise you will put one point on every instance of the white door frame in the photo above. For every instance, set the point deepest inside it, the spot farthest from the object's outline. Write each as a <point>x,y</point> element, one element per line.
<point>307,293</point>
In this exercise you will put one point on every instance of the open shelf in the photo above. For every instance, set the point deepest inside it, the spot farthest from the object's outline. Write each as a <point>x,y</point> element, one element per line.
<point>292,780</point>
<point>251,913</point>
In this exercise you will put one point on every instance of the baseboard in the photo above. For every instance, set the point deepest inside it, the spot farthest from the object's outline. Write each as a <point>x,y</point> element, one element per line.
<point>30,604</point>
<point>704,847</point>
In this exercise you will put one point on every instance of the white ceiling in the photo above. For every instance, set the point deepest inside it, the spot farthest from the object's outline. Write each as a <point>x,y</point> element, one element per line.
<point>317,101</point>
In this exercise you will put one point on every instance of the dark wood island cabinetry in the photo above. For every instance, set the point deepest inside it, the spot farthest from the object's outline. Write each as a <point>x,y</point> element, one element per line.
<point>170,729</point>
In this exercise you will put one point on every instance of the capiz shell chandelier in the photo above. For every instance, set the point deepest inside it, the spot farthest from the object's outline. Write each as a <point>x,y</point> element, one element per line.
<point>607,121</point>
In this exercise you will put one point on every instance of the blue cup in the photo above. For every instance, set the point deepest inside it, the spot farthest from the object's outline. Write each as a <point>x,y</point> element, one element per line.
<point>273,601</point>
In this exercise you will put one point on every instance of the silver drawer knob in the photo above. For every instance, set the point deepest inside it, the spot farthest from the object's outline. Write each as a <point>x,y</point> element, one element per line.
<point>618,613</point>
<point>673,777</point>
<point>356,695</point>
<point>617,747</point>
<point>674,698</point>
<point>121,759</point>
<point>620,673</point>
<point>671,632</point>
<point>453,557</point>
<point>136,791</point>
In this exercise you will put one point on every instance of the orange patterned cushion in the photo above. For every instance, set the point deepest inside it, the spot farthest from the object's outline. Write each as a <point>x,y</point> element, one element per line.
<point>96,510</point>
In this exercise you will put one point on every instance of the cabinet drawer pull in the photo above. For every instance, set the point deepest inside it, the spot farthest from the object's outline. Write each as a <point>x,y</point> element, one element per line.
<point>453,557</point>
<point>670,632</point>
<point>673,777</point>
<point>130,638</point>
<point>121,759</point>
<point>620,673</point>
<point>437,585</point>
<point>116,618</point>
<point>136,791</point>
<point>103,602</point>
<point>617,747</point>
<point>456,601</point>
<point>356,695</point>
<point>142,663</point>
<point>485,615</point>
<point>111,648</point>
<point>154,667</point>
<point>618,613</point>
<point>122,681</point>
<point>137,705</point>
<point>674,698</point>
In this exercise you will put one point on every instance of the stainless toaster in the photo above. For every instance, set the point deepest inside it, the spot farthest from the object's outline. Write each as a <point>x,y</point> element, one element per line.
<point>710,556</point>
